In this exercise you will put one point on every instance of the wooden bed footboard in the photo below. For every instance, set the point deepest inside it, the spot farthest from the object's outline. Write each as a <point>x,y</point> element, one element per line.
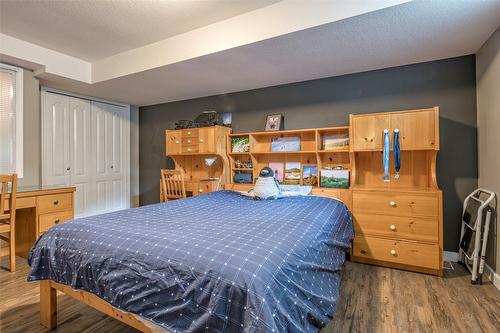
<point>48,307</point>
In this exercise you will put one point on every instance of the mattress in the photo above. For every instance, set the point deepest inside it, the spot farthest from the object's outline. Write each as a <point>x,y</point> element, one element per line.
<point>218,262</point>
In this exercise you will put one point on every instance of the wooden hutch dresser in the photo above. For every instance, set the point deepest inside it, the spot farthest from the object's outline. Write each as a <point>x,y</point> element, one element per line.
<point>190,148</point>
<point>397,223</point>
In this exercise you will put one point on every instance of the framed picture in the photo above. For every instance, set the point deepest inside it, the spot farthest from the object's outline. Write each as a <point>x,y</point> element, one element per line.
<point>334,141</point>
<point>278,169</point>
<point>274,122</point>
<point>309,174</point>
<point>240,144</point>
<point>334,178</point>
<point>292,173</point>
<point>285,144</point>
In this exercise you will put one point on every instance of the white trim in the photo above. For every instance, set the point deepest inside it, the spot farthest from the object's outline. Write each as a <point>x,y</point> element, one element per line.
<point>90,98</point>
<point>19,117</point>
<point>490,274</point>
<point>450,256</point>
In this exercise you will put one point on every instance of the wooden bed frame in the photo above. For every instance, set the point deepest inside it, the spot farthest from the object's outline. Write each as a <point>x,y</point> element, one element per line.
<point>48,307</point>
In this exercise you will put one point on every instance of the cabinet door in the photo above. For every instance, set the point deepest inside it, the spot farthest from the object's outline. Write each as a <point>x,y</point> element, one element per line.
<point>206,140</point>
<point>82,176</point>
<point>368,131</point>
<point>417,129</point>
<point>173,142</point>
<point>55,140</point>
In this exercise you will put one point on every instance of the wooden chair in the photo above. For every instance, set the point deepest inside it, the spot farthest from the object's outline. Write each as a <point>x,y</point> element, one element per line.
<point>172,185</point>
<point>8,215</point>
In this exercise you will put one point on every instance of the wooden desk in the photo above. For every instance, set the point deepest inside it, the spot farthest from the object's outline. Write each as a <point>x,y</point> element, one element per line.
<point>38,208</point>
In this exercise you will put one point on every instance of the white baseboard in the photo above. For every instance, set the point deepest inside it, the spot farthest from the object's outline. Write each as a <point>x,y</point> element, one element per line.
<point>489,273</point>
<point>450,256</point>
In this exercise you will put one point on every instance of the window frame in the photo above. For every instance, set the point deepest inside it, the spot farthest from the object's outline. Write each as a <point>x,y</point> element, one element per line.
<point>19,92</point>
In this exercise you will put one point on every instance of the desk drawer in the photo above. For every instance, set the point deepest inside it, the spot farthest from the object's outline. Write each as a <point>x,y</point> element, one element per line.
<point>399,252</point>
<point>401,227</point>
<point>55,203</point>
<point>47,221</point>
<point>394,203</point>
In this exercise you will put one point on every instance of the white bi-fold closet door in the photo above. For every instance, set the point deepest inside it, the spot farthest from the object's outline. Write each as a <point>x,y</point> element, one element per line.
<point>85,144</point>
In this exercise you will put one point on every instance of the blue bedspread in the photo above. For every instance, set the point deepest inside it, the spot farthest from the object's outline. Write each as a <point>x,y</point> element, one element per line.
<point>218,262</point>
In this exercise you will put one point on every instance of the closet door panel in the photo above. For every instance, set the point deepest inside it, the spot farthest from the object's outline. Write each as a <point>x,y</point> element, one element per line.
<point>82,174</point>
<point>56,140</point>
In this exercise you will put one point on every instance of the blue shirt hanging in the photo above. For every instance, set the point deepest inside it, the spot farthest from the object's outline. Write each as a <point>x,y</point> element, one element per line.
<point>386,155</point>
<point>397,153</point>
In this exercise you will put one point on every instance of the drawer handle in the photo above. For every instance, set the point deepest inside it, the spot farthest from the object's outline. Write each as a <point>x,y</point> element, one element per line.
<point>392,227</point>
<point>200,190</point>
<point>189,133</point>
<point>55,202</point>
<point>363,252</point>
<point>189,149</point>
<point>189,141</point>
<point>393,253</point>
<point>201,140</point>
<point>56,221</point>
<point>392,203</point>
<point>177,141</point>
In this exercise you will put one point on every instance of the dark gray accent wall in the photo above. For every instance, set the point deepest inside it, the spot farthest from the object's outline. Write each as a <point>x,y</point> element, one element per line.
<point>449,84</point>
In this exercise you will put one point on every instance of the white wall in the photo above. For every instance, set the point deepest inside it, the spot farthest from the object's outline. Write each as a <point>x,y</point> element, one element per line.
<point>488,120</point>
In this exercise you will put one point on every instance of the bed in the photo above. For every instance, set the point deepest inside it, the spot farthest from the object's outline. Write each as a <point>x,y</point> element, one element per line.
<point>218,262</point>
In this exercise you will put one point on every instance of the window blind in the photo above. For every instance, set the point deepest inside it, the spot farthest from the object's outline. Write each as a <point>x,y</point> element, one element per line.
<point>7,121</point>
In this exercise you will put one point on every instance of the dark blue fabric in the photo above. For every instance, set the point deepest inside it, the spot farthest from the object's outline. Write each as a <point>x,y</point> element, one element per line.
<point>397,152</point>
<point>218,262</point>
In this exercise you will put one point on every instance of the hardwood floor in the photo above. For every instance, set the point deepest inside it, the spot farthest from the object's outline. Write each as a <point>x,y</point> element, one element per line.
<point>373,299</point>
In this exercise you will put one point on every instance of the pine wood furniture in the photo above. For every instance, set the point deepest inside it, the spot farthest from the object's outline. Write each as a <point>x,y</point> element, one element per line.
<point>399,223</point>
<point>311,152</point>
<point>38,208</point>
<point>189,148</point>
<point>8,185</point>
<point>172,185</point>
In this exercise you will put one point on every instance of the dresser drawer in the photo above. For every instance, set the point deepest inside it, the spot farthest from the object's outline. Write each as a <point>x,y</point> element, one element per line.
<point>190,141</point>
<point>47,221</point>
<point>55,203</point>
<point>190,133</point>
<point>394,203</point>
<point>192,187</point>
<point>402,227</point>
<point>190,148</point>
<point>399,252</point>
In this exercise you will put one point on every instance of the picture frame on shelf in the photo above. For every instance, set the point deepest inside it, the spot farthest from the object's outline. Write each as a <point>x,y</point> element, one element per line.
<point>334,178</point>
<point>278,169</point>
<point>292,173</point>
<point>309,174</point>
<point>274,122</point>
<point>285,144</point>
<point>240,144</point>
<point>335,141</point>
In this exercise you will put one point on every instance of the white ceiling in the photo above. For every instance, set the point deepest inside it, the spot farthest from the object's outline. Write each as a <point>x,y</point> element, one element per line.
<point>408,33</point>
<point>96,29</point>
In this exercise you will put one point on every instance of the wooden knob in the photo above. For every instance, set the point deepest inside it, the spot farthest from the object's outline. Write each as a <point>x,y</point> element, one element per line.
<point>56,221</point>
<point>177,141</point>
<point>200,190</point>
<point>393,252</point>
<point>392,227</point>
<point>201,140</point>
<point>55,202</point>
<point>189,133</point>
<point>189,141</point>
<point>189,149</point>
<point>363,252</point>
<point>392,203</point>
